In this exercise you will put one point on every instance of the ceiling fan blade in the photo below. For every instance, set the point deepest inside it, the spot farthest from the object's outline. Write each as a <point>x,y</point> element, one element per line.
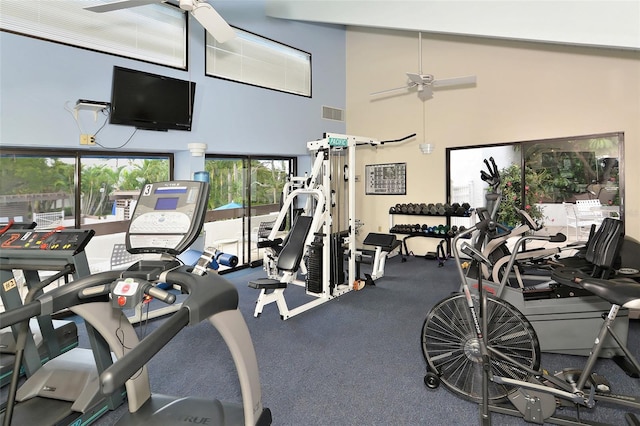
<point>455,81</point>
<point>123,4</point>
<point>213,22</point>
<point>397,89</point>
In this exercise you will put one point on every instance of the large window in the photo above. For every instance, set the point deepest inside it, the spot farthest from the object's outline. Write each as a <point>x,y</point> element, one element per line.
<point>153,33</point>
<point>42,186</point>
<point>109,185</point>
<point>38,188</point>
<point>547,178</point>
<point>77,189</point>
<point>252,59</point>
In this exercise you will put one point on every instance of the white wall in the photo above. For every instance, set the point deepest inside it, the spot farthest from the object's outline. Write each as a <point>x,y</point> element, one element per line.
<point>525,91</point>
<point>37,79</point>
<point>582,22</point>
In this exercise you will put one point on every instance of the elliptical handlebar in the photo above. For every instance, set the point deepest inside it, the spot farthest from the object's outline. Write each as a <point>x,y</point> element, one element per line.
<point>529,221</point>
<point>558,238</point>
<point>492,177</point>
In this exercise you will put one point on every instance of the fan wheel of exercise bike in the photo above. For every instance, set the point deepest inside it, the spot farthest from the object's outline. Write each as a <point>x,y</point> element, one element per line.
<point>452,351</point>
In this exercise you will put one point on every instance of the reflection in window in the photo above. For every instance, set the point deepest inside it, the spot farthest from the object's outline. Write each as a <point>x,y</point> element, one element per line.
<point>578,169</point>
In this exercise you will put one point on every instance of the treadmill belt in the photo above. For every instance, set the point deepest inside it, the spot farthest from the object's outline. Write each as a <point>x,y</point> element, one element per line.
<point>37,411</point>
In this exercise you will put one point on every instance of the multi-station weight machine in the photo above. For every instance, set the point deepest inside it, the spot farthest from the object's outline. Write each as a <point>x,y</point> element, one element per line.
<point>322,208</point>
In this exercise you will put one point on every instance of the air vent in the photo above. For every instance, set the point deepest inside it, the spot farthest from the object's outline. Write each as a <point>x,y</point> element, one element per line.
<point>330,113</point>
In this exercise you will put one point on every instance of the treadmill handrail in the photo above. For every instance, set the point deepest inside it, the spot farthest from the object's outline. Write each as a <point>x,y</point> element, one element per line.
<point>119,372</point>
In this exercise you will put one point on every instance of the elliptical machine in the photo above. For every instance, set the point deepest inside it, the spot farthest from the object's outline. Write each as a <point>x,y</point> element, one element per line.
<point>167,219</point>
<point>492,242</point>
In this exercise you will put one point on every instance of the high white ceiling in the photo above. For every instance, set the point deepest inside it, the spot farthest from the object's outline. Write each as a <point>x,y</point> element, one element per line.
<point>603,23</point>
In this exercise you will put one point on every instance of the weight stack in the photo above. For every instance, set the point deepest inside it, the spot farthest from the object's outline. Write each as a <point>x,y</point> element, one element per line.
<point>337,261</point>
<point>314,267</point>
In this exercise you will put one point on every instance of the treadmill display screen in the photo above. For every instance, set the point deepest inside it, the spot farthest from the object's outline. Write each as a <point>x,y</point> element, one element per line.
<point>167,203</point>
<point>171,190</point>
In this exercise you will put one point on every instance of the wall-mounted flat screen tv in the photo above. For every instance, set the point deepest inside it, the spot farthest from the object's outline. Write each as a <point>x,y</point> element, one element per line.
<point>150,101</point>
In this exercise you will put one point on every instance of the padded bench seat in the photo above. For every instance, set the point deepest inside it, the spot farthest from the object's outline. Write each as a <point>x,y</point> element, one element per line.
<point>267,284</point>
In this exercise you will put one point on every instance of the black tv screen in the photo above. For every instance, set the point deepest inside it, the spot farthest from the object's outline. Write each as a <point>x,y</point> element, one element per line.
<point>150,101</point>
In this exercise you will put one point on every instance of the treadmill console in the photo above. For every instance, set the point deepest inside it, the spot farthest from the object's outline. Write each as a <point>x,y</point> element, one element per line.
<point>168,217</point>
<point>69,241</point>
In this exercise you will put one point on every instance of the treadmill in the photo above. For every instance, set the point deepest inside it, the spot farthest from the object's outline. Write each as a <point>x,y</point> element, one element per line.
<point>57,371</point>
<point>56,336</point>
<point>167,219</point>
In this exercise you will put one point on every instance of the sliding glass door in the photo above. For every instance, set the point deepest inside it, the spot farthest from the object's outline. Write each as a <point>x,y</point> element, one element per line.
<point>245,191</point>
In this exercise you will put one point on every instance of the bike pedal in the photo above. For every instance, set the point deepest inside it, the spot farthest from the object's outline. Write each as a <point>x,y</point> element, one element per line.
<point>601,383</point>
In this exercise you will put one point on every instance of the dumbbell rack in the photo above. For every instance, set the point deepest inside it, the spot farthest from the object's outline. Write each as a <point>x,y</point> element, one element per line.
<point>447,215</point>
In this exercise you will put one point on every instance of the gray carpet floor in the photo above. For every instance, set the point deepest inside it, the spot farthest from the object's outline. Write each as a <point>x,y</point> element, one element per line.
<point>356,360</point>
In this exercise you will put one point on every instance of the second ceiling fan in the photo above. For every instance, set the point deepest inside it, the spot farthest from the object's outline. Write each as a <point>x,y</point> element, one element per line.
<point>425,83</point>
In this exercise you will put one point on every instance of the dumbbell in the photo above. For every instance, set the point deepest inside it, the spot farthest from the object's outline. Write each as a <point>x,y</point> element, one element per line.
<point>452,231</point>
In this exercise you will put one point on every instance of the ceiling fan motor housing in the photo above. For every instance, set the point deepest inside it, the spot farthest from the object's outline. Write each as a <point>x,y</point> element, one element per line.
<point>187,5</point>
<point>427,78</point>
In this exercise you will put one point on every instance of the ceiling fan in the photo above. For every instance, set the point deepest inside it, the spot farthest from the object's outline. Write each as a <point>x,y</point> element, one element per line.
<point>202,11</point>
<point>425,83</point>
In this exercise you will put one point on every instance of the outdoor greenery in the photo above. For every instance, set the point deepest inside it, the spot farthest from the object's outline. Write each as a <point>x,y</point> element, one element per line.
<point>45,175</point>
<point>36,175</point>
<point>227,177</point>
<point>576,166</point>
<point>50,181</point>
<point>512,199</point>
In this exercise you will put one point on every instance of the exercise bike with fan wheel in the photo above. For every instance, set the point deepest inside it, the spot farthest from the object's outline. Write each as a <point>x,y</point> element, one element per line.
<point>483,349</point>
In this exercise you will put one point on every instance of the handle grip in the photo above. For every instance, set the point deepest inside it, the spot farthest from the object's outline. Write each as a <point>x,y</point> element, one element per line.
<point>495,167</point>
<point>160,294</point>
<point>98,290</point>
<point>558,238</point>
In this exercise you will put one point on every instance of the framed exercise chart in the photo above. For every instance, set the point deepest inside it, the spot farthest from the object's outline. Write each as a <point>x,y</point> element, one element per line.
<point>386,179</point>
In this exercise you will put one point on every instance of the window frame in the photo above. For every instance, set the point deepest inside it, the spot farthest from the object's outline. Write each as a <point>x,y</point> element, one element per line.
<point>246,213</point>
<point>523,162</point>
<point>210,43</point>
<point>100,229</point>
<point>108,49</point>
